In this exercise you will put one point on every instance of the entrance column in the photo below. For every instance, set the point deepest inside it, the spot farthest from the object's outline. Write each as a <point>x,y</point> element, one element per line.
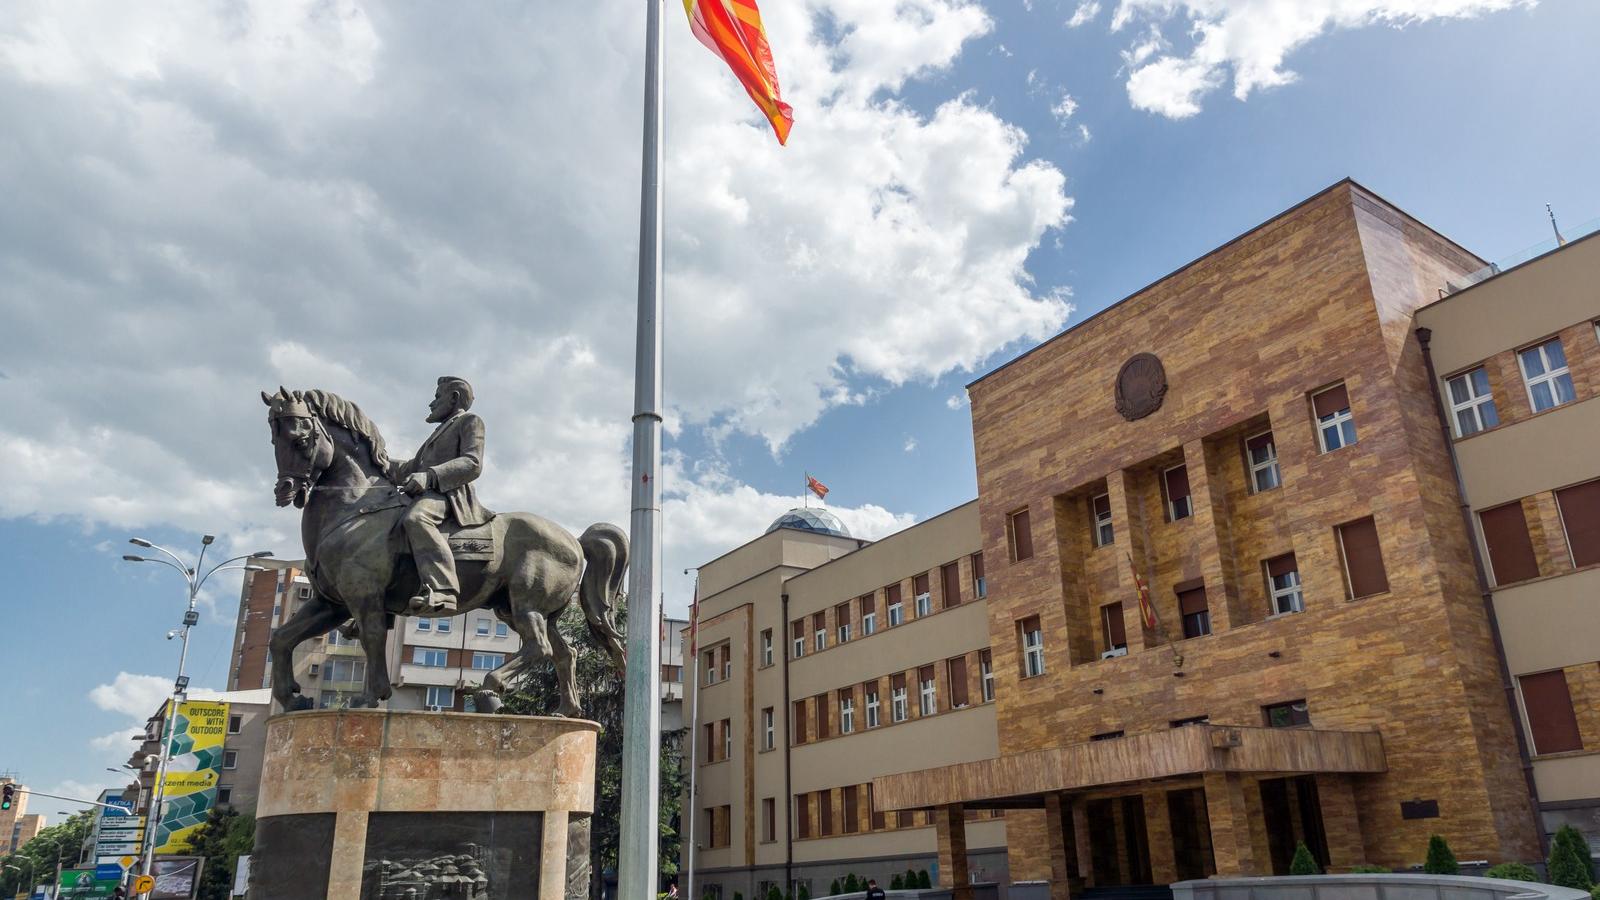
<point>1231,842</point>
<point>1060,834</point>
<point>1340,824</point>
<point>1158,835</point>
<point>951,827</point>
<point>1081,841</point>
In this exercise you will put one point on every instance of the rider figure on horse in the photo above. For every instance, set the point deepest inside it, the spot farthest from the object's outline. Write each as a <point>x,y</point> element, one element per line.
<point>439,481</point>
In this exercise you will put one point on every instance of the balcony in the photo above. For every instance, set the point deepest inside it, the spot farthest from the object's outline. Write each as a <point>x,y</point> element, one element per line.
<point>436,676</point>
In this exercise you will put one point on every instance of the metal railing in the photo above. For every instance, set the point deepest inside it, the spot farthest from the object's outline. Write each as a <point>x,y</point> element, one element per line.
<point>1525,255</point>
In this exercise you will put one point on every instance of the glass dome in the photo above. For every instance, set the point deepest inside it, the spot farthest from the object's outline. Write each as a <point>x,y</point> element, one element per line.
<point>818,520</point>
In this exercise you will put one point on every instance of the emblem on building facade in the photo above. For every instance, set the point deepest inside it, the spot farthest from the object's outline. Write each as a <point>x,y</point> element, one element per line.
<point>1141,386</point>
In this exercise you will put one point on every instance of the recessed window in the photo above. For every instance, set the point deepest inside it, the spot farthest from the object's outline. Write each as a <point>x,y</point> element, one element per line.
<point>1286,715</point>
<point>1547,701</point>
<point>802,815</point>
<point>927,692</point>
<point>1103,533</point>
<point>483,626</point>
<point>819,703</point>
<point>819,631</point>
<point>769,820</point>
<point>950,585</point>
<point>501,630</point>
<point>727,738</point>
<point>980,587</point>
<point>922,595</point>
<point>235,724</point>
<point>1471,404</point>
<point>769,729</point>
<point>1193,607</point>
<point>725,653</point>
<point>841,623</point>
<point>1113,632</point>
<point>1283,584</point>
<point>1032,635</point>
<point>230,759</point>
<point>1192,720</point>
<point>847,711</point>
<point>1580,518</point>
<point>825,813</point>
<point>711,667</point>
<point>850,808</point>
<point>869,614</point>
<point>1335,426</point>
<point>488,662</point>
<point>899,708</point>
<point>766,647</point>
<point>440,698</point>
<point>424,624</point>
<point>1019,534</point>
<point>1363,559</point>
<point>799,735</point>
<point>872,704</point>
<point>1261,455</point>
<point>1175,481</point>
<point>1106,736</point>
<point>986,670</point>
<point>423,656</point>
<point>956,673</point>
<point>1505,534</point>
<point>897,609</point>
<point>1544,370</point>
<point>797,636</point>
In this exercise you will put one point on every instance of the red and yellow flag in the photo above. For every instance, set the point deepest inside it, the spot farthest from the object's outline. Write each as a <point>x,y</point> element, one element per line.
<point>1147,610</point>
<point>732,29</point>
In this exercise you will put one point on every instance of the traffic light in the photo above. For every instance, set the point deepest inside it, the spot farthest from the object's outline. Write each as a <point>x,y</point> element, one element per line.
<point>6,793</point>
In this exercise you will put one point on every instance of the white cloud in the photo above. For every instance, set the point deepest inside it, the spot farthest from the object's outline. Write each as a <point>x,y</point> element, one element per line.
<point>1064,108</point>
<point>956,401</point>
<point>79,790</point>
<point>215,199</point>
<point>136,696</point>
<point>910,445</point>
<point>117,742</point>
<point>1084,14</point>
<point>1246,41</point>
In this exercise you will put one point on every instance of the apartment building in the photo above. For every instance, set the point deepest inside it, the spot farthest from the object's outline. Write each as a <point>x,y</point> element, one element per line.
<point>437,662</point>
<point>17,826</point>
<point>1516,359</point>
<point>243,748</point>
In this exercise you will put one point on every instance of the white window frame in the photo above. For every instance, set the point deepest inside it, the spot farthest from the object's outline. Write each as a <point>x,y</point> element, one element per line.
<point>819,639</point>
<point>897,613</point>
<point>711,667</point>
<point>499,658</point>
<point>844,633</point>
<point>847,715</point>
<point>501,629</point>
<point>924,602</point>
<point>869,622</point>
<point>899,705</point>
<point>1268,466</point>
<point>927,697</point>
<point>1291,592</point>
<point>235,723</point>
<point>769,730</point>
<point>766,648</point>
<point>357,667</point>
<point>420,654</point>
<point>442,626</point>
<point>1474,403</point>
<point>224,794</point>
<point>424,624</point>
<point>430,697</point>
<point>986,668</point>
<point>727,667</point>
<point>1335,421</point>
<point>874,707</point>
<point>482,624</point>
<point>1172,502</point>
<point>727,739</point>
<point>230,759</point>
<point>980,587</point>
<point>1550,377</point>
<point>1033,651</point>
<point>1105,533</point>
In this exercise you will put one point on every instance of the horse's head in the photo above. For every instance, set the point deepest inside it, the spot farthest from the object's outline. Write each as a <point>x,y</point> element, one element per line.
<point>302,445</point>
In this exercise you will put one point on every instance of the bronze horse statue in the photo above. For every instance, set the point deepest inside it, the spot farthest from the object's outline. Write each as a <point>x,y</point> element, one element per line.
<point>331,462</point>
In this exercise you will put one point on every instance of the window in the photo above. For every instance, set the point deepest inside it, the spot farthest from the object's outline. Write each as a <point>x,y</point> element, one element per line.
<point>879,821</point>
<point>769,821</point>
<point>820,702</point>
<point>500,629</point>
<point>841,622</point>
<point>847,711</point>
<point>1471,404</point>
<point>956,676</point>
<point>672,674</point>
<point>427,656</point>
<point>1192,720</point>
<point>1286,715</point>
<point>1548,704</point>
<point>897,610</point>
<point>725,652</point>
<point>424,624</point>
<point>224,794</point>
<point>235,724</point>
<point>1580,517</point>
<point>1261,455</point>
<point>1019,533</point>
<point>950,585</point>
<point>927,692</point>
<point>349,670</point>
<point>797,637</point>
<point>230,759</point>
<point>442,626</point>
<point>488,662</point>
<point>305,592</point>
<point>922,595</point>
<point>1032,646</point>
<point>710,729</point>
<point>711,667</point>
<point>980,587</point>
<point>1176,483</point>
<point>851,809</point>
<point>1194,609</point>
<point>769,729</point>
<point>825,813</point>
<point>872,705</point>
<point>766,648</point>
<point>1113,633</point>
<point>1335,426</point>
<point>277,610</point>
<point>1106,736</point>
<point>1363,559</point>
<point>1283,584</point>
<point>799,736</point>
<point>483,626</point>
<point>986,669</point>
<point>336,638</point>
<point>819,630</point>
<point>869,614</point>
<point>802,816</point>
<point>899,709</point>
<point>1100,507</point>
<point>905,819</point>
<point>727,738</point>
<point>1544,369</point>
<point>440,698</point>
<point>1505,534</point>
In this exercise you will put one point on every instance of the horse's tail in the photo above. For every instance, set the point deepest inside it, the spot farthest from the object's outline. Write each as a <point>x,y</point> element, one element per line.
<point>605,554</point>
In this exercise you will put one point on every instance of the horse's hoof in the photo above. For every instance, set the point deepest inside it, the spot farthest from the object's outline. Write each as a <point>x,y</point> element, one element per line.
<point>488,702</point>
<point>566,711</point>
<point>299,703</point>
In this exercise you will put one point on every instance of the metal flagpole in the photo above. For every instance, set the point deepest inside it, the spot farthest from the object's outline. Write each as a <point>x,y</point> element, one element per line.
<point>641,729</point>
<point>694,730</point>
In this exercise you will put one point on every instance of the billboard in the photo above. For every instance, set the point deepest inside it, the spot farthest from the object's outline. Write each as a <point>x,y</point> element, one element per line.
<point>194,766</point>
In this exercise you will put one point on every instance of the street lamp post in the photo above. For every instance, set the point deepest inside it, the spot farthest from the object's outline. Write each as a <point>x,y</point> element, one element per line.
<point>191,617</point>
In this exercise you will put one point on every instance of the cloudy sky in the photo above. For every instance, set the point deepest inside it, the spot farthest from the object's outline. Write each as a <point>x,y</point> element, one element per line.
<point>205,199</point>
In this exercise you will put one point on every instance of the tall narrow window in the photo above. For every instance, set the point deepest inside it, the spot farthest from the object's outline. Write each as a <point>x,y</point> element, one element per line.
<point>725,653</point>
<point>1113,633</point>
<point>1261,454</point>
<point>1363,559</point>
<point>1548,703</point>
<point>922,593</point>
<point>1471,404</point>
<point>1283,584</point>
<point>897,609</point>
<point>1104,534</point>
<point>872,704</point>
<point>980,587</point>
<point>851,808</point>
<point>1580,518</point>
<point>820,701</point>
<point>1176,482</point>
<point>802,816</point>
<point>798,736</point>
<point>878,819</point>
<point>899,706</point>
<point>1194,609</point>
<point>769,729</point>
<point>819,630</point>
<point>956,672</point>
<point>986,669</point>
<point>769,819</point>
<point>869,614</point>
<point>1335,426</point>
<point>711,666</point>
<point>797,637</point>
<point>766,647</point>
<point>710,729</point>
<point>950,585</point>
<point>727,738</point>
<point>1505,534</point>
<point>825,812</point>
<point>1032,635</point>
<point>1019,533</point>
<point>841,623</point>
<point>1544,369</point>
<point>847,710</point>
<point>927,692</point>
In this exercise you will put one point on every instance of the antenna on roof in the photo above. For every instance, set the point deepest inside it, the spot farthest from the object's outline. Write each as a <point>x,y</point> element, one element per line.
<point>1560,241</point>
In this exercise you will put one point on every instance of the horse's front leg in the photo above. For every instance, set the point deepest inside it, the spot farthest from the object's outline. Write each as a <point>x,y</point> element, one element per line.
<point>314,618</point>
<point>374,636</point>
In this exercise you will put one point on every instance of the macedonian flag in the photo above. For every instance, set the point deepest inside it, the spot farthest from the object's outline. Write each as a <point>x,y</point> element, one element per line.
<point>732,29</point>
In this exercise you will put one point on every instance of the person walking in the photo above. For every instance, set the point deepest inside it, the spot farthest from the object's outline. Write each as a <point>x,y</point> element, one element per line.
<point>873,891</point>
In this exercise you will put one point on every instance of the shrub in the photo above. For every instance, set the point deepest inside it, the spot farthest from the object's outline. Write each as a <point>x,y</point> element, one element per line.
<point>773,893</point>
<point>1594,893</point>
<point>737,896</point>
<point>911,879</point>
<point>897,883</point>
<point>1304,863</point>
<point>1369,869</point>
<point>833,889</point>
<point>805,893</point>
<point>1513,871</point>
<point>923,881</point>
<point>1441,860</point>
<point>1569,860</point>
<point>851,885</point>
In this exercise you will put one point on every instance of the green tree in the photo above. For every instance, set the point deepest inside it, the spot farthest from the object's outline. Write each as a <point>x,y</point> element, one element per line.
<point>1569,864</point>
<point>805,892</point>
<point>224,837</point>
<point>833,889</point>
<point>600,691</point>
<point>923,881</point>
<point>37,858</point>
<point>1441,860</point>
<point>851,885</point>
<point>1513,871</point>
<point>1304,863</point>
<point>773,893</point>
<point>897,883</point>
<point>911,879</point>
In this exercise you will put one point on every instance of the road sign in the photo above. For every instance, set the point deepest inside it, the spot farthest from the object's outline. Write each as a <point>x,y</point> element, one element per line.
<point>144,884</point>
<point>108,872</point>
<point>120,848</point>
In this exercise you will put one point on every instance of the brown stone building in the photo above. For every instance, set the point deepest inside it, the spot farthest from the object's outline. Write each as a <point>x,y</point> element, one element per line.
<point>1322,667</point>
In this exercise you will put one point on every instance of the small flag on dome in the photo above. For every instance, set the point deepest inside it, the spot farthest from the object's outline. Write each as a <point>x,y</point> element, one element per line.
<point>816,487</point>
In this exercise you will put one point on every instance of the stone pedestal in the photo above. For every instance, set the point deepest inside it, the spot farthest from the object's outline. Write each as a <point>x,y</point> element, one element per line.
<point>373,805</point>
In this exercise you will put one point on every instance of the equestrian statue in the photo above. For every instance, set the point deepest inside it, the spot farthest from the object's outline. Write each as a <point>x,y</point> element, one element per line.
<point>385,538</point>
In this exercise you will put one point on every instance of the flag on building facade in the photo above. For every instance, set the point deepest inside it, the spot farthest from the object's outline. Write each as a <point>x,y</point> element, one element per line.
<point>816,487</point>
<point>732,30</point>
<point>1147,610</point>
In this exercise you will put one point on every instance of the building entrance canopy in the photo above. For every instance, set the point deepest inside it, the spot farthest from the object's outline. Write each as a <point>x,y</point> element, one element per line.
<point>1024,779</point>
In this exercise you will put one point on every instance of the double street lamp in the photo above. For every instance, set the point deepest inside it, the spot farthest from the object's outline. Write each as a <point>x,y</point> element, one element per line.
<point>191,617</point>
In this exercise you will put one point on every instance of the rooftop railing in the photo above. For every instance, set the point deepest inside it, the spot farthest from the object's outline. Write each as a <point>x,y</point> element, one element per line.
<point>1516,259</point>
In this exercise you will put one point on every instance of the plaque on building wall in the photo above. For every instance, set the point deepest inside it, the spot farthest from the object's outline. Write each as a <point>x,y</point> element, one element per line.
<point>1141,386</point>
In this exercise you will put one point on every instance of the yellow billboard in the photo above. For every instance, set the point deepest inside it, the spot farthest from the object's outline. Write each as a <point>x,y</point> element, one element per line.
<point>193,768</point>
